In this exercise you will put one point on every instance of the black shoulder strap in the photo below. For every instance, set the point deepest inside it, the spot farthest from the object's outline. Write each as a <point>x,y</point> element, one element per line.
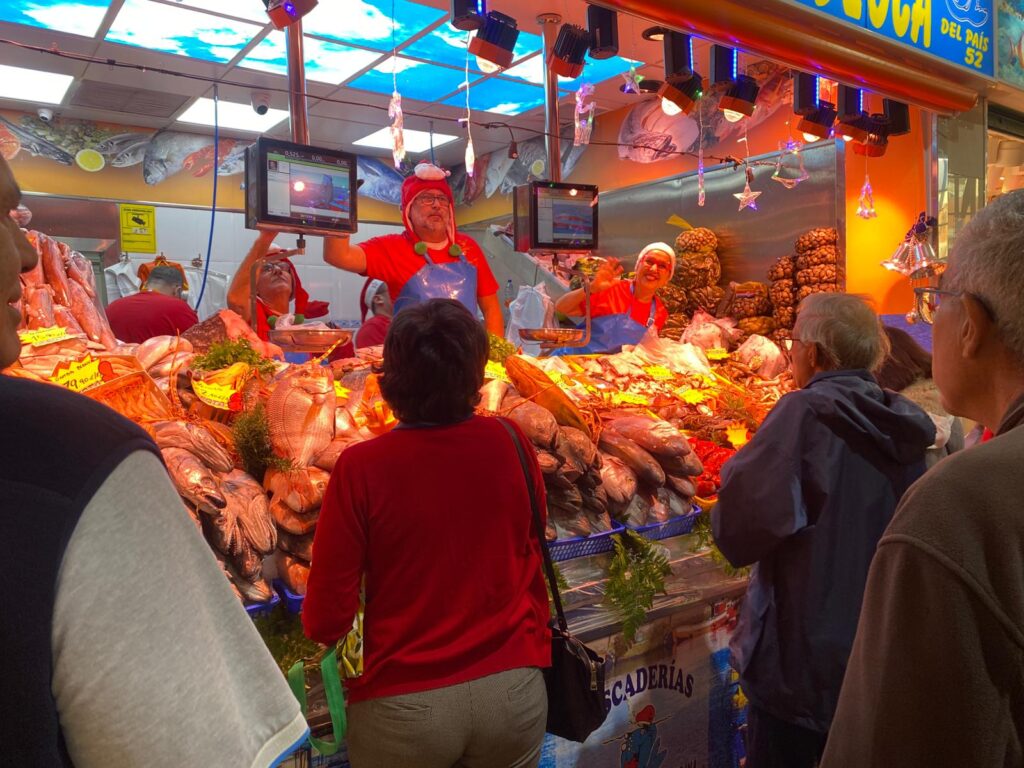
<point>538,528</point>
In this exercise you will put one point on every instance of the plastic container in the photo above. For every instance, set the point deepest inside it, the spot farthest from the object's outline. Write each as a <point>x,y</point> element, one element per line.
<point>567,549</point>
<point>677,526</point>
<point>292,602</point>
<point>262,609</point>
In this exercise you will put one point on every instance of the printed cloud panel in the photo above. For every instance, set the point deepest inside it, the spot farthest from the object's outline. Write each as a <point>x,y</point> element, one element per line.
<point>78,17</point>
<point>502,97</point>
<point>416,80</point>
<point>325,62</point>
<point>368,22</point>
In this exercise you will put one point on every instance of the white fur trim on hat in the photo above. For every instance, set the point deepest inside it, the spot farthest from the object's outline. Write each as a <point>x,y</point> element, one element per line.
<point>430,172</point>
<point>665,248</point>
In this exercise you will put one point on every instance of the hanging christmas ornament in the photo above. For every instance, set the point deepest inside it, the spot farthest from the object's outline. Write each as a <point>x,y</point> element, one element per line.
<point>789,166</point>
<point>397,135</point>
<point>866,202</point>
<point>700,155</point>
<point>584,116</point>
<point>470,154</point>
<point>632,80</point>
<point>915,257</point>
<point>748,198</point>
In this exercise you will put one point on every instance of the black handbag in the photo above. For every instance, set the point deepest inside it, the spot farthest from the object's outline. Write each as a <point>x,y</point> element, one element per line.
<point>575,679</point>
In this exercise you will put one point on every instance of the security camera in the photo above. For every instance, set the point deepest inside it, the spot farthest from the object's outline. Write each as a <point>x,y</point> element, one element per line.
<point>46,115</point>
<point>260,102</point>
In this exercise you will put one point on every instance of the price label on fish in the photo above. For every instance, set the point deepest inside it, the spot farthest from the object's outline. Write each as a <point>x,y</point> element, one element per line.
<point>495,370</point>
<point>691,396</point>
<point>659,372</point>
<point>717,353</point>
<point>341,393</point>
<point>82,374</point>
<point>40,337</point>
<point>220,396</point>
<point>628,398</point>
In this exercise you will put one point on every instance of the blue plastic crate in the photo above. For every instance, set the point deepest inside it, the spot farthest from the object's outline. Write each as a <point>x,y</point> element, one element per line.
<point>567,549</point>
<point>292,602</point>
<point>677,526</point>
<point>262,609</point>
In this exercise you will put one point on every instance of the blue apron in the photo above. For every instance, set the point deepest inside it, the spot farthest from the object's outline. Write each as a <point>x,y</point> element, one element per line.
<point>609,333</point>
<point>454,280</point>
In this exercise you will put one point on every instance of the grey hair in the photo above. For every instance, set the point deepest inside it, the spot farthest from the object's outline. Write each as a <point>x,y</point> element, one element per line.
<point>987,260</point>
<point>846,330</point>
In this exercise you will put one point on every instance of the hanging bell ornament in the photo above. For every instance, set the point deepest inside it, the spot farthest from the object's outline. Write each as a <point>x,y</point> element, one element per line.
<point>789,166</point>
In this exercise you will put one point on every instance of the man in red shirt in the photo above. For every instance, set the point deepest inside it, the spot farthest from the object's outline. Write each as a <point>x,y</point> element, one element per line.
<point>622,310</point>
<point>429,260</point>
<point>157,311</point>
<point>375,301</point>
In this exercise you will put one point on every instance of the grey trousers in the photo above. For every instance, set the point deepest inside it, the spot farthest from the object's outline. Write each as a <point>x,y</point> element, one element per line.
<point>492,722</point>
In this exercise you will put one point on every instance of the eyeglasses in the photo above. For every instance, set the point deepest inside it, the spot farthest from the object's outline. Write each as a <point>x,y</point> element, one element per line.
<point>930,299</point>
<point>275,266</point>
<point>428,201</point>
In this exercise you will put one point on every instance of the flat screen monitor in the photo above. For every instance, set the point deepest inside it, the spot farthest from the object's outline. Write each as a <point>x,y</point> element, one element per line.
<point>295,188</point>
<point>551,216</point>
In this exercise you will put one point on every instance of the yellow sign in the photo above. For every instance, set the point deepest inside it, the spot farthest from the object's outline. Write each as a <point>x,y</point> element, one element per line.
<point>659,372</point>
<point>138,228</point>
<point>737,435</point>
<point>495,370</point>
<point>40,337</point>
<point>340,392</point>
<point>218,395</point>
<point>80,375</point>
<point>691,396</point>
<point>717,353</point>
<point>628,398</point>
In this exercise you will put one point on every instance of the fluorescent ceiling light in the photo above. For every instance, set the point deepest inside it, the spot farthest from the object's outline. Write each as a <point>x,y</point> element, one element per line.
<point>415,141</point>
<point>33,85</point>
<point>231,114</point>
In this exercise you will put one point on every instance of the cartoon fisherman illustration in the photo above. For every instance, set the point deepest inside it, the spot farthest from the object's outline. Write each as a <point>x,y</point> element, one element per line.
<point>641,747</point>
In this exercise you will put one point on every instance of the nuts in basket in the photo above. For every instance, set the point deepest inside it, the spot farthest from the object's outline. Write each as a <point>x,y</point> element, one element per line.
<point>807,290</point>
<point>762,325</point>
<point>816,238</point>
<point>782,268</point>
<point>783,293</point>
<point>823,273</point>
<point>828,254</point>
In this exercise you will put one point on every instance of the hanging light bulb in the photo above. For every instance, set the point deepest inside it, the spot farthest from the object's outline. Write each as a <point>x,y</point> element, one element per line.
<point>487,66</point>
<point>732,115</point>
<point>670,108</point>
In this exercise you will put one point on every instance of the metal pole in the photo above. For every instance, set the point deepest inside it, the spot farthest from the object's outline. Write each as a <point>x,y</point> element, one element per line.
<point>297,85</point>
<point>549,30</point>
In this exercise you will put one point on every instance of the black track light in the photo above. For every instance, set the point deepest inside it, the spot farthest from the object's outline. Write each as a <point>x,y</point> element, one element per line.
<point>496,39</point>
<point>569,53</point>
<point>724,64</point>
<point>468,15</point>
<point>739,100</point>
<point>851,119</point>
<point>680,95</point>
<point>678,49</point>
<point>898,115</point>
<point>603,25</point>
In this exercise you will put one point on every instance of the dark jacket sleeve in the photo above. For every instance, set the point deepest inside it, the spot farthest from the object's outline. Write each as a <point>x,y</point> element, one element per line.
<point>761,501</point>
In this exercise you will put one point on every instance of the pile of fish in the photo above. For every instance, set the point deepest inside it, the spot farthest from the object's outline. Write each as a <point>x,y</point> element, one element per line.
<point>61,291</point>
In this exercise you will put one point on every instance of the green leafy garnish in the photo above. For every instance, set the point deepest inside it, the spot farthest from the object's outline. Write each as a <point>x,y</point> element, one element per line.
<point>705,540</point>
<point>223,354</point>
<point>499,348</point>
<point>636,574</point>
<point>251,431</point>
<point>283,635</point>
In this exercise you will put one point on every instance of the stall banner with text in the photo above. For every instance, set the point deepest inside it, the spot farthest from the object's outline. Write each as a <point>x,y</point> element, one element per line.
<point>138,228</point>
<point>957,31</point>
<point>677,705</point>
<point>1011,42</point>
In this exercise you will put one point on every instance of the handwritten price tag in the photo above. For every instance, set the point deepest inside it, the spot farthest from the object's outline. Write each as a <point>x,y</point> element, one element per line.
<point>691,396</point>
<point>628,398</point>
<point>495,370</point>
<point>737,435</point>
<point>340,392</point>
<point>219,396</point>
<point>717,353</point>
<point>659,372</point>
<point>40,337</point>
<point>82,374</point>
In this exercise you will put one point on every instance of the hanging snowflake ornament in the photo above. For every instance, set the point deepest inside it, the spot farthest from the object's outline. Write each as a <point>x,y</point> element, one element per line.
<point>470,155</point>
<point>632,80</point>
<point>397,133</point>
<point>792,173</point>
<point>748,198</point>
<point>584,115</point>
<point>866,203</point>
<point>700,156</point>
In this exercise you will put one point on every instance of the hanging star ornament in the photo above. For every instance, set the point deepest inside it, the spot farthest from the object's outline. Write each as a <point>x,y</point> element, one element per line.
<point>632,80</point>
<point>397,133</point>
<point>748,198</point>
<point>866,203</point>
<point>792,174</point>
<point>584,115</point>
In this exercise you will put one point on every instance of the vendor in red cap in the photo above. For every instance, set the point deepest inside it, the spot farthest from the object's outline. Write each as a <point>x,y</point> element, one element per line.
<point>277,284</point>
<point>375,309</point>
<point>430,260</point>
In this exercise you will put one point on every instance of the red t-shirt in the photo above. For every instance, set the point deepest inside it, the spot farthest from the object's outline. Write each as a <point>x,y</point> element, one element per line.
<point>619,299</point>
<point>372,332</point>
<point>144,315</point>
<point>391,258</point>
<point>454,585</point>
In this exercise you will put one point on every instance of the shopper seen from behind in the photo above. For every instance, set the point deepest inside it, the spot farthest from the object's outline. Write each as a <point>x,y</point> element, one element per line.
<point>157,310</point>
<point>937,671</point>
<point>456,618</point>
<point>805,503</point>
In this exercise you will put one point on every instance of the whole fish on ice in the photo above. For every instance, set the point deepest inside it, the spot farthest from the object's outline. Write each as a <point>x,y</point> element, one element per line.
<point>194,480</point>
<point>252,510</point>
<point>196,440</point>
<point>300,412</point>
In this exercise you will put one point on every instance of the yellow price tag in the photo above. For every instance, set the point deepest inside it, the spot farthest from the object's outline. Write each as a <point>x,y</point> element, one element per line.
<point>219,396</point>
<point>40,337</point>
<point>737,435</point>
<point>80,375</point>
<point>628,398</point>
<point>691,396</point>
<point>341,392</point>
<point>659,372</point>
<point>717,353</point>
<point>497,371</point>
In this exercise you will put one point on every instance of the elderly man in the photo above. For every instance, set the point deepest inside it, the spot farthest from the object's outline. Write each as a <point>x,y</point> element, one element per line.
<point>103,664</point>
<point>430,260</point>
<point>155,311</point>
<point>936,676</point>
<point>805,502</point>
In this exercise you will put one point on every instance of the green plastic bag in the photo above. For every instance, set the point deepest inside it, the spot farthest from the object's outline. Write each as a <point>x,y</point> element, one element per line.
<point>335,700</point>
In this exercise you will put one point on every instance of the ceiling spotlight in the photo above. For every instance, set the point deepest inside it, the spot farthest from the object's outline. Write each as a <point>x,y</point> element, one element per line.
<point>738,101</point>
<point>678,49</point>
<point>468,15</point>
<point>724,64</point>
<point>603,26</point>
<point>818,124</point>
<point>878,137</point>
<point>284,13</point>
<point>656,34</point>
<point>851,119</point>
<point>496,39</point>
<point>681,93</point>
<point>805,93</point>
<point>570,51</point>
<point>898,115</point>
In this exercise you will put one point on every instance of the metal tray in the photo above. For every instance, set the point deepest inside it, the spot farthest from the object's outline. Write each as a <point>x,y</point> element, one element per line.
<point>309,340</point>
<point>551,335</point>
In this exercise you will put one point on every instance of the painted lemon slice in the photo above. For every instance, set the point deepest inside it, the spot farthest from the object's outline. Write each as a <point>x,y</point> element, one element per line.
<point>90,160</point>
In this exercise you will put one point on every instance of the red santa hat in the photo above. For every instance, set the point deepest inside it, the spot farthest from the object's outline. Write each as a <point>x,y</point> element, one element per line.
<point>645,716</point>
<point>303,306</point>
<point>366,296</point>
<point>427,177</point>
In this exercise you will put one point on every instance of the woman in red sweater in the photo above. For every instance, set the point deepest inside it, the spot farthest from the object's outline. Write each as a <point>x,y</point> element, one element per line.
<point>436,515</point>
